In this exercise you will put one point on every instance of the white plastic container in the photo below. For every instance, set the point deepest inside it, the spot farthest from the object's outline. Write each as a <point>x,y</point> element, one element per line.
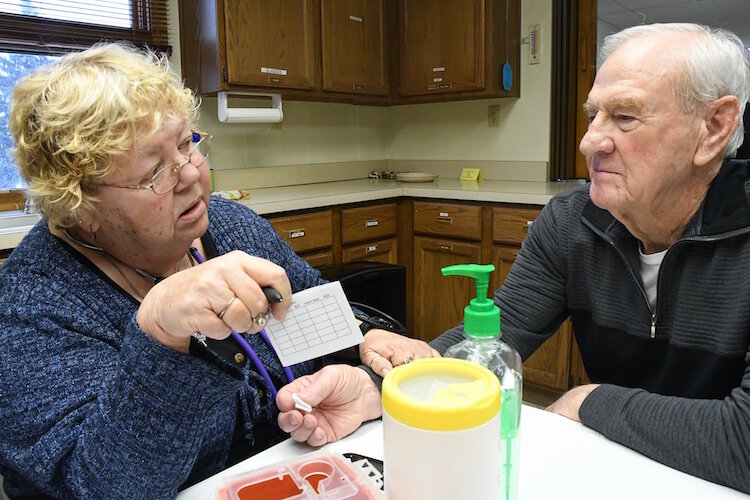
<point>441,431</point>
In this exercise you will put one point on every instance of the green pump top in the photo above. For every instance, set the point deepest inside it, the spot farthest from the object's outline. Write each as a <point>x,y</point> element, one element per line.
<point>481,316</point>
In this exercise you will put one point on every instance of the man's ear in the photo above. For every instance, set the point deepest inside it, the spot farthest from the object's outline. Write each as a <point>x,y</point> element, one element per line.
<point>719,123</point>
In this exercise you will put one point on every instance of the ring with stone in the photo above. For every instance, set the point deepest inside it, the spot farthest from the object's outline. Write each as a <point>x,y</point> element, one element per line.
<point>261,319</point>
<point>408,359</point>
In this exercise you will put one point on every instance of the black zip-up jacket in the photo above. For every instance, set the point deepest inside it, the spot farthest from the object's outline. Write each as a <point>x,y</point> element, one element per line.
<point>676,379</point>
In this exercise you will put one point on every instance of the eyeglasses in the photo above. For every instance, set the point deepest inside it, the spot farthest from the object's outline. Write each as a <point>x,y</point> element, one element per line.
<point>167,177</point>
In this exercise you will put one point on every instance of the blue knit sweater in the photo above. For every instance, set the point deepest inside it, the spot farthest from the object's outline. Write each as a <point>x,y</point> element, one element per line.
<point>92,407</point>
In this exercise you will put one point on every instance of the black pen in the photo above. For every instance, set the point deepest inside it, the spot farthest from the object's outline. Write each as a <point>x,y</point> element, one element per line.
<point>272,295</point>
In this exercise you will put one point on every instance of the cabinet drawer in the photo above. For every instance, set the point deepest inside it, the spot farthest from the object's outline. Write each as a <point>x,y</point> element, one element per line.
<point>320,260</point>
<point>306,232</point>
<point>375,251</point>
<point>365,223</point>
<point>511,225</point>
<point>445,219</point>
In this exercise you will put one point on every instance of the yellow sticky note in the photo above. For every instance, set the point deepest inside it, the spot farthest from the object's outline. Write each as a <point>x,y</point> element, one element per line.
<point>471,174</point>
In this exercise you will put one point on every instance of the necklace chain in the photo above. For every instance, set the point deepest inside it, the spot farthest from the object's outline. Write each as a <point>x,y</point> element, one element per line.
<point>113,260</point>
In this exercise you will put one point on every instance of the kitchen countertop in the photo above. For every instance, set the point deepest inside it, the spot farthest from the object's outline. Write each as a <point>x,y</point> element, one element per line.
<point>282,199</point>
<point>14,227</point>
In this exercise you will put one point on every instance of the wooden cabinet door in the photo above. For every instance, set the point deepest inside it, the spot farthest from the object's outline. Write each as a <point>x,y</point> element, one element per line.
<point>353,46</point>
<point>385,251</point>
<point>549,365</point>
<point>439,301</point>
<point>271,42</point>
<point>441,46</point>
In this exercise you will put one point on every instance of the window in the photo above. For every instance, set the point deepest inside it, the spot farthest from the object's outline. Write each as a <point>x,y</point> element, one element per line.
<point>36,32</point>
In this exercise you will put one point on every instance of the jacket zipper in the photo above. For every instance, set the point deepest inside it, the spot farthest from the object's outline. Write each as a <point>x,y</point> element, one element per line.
<point>609,240</point>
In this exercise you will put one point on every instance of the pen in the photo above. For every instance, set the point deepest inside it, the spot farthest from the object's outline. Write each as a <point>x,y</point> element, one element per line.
<point>272,295</point>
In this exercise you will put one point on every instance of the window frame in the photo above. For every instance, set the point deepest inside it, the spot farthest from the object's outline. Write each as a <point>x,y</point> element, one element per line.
<point>38,35</point>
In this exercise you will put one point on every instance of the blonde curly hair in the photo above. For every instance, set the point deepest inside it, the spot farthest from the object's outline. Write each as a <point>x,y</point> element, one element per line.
<point>71,119</point>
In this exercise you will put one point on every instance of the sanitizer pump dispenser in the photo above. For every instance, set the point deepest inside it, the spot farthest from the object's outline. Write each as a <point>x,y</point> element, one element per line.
<point>484,347</point>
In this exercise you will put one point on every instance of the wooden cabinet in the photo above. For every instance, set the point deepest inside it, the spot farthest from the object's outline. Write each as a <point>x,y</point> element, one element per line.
<point>358,51</point>
<point>353,46</point>
<point>456,48</point>
<point>310,235</point>
<point>303,49</point>
<point>270,43</point>
<point>448,219</point>
<point>438,300</point>
<point>368,234</point>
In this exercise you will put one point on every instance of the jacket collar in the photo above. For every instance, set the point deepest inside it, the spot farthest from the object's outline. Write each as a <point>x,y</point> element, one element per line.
<point>726,207</point>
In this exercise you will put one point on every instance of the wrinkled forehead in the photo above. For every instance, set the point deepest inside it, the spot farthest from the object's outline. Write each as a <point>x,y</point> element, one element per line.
<point>651,66</point>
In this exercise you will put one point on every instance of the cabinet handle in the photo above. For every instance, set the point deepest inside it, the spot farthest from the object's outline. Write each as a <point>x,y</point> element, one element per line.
<point>445,247</point>
<point>527,226</point>
<point>273,79</point>
<point>445,220</point>
<point>371,223</point>
<point>297,233</point>
<point>370,249</point>
<point>356,86</point>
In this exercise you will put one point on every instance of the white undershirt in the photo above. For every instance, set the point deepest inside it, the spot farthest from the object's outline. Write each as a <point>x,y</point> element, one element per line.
<point>650,265</point>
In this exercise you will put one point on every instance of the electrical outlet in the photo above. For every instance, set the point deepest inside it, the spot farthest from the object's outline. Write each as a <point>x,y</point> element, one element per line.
<point>493,119</point>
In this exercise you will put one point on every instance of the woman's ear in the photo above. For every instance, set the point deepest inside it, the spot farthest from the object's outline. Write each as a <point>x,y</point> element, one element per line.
<point>87,223</point>
<point>719,123</point>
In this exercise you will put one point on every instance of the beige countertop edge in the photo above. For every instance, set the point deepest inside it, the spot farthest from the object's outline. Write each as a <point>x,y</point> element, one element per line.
<point>282,199</point>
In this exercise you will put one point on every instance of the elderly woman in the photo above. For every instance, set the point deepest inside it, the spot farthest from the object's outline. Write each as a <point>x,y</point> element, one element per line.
<point>119,376</point>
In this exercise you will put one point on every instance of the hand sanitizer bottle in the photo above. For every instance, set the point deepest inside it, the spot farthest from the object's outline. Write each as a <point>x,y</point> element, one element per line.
<point>484,347</point>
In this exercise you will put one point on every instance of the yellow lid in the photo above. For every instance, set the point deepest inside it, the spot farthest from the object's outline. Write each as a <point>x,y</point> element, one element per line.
<point>441,394</point>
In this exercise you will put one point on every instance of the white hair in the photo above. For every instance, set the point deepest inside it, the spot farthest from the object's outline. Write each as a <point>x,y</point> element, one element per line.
<point>715,66</point>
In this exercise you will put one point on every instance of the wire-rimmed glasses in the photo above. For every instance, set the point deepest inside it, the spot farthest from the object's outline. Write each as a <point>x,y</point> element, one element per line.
<point>167,177</point>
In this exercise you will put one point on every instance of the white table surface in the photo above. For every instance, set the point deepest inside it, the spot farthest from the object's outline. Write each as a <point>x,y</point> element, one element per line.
<point>560,459</point>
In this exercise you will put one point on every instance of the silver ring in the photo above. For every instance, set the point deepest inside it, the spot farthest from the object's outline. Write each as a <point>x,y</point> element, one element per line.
<point>226,307</point>
<point>408,360</point>
<point>261,319</point>
<point>373,360</point>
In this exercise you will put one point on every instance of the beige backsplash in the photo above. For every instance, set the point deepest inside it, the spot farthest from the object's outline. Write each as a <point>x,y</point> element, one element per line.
<point>287,175</point>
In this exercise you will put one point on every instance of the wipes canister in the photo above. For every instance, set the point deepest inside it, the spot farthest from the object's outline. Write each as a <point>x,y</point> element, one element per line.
<point>441,431</point>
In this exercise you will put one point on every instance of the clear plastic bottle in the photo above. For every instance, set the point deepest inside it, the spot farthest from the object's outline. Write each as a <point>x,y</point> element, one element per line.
<point>484,347</point>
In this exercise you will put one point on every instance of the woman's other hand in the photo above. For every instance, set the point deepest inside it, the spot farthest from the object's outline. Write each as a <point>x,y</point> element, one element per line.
<point>342,398</point>
<point>382,350</point>
<point>213,298</point>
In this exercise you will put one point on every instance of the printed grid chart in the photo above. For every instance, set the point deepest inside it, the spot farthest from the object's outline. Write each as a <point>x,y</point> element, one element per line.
<point>318,322</point>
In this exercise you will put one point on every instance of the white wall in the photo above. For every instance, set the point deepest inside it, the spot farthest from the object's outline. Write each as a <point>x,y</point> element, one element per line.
<point>324,134</point>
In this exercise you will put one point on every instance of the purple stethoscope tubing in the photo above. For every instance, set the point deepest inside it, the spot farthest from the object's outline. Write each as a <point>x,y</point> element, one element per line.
<point>247,348</point>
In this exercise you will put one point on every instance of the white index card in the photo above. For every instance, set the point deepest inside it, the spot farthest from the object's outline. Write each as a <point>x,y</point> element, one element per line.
<point>318,322</point>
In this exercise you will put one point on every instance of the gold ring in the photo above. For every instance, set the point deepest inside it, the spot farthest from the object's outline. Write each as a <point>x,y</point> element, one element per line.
<point>408,360</point>
<point>226,307</point>
<point>261,319</point>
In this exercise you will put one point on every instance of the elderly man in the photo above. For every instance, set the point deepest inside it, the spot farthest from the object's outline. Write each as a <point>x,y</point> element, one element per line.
<point>649,259</point>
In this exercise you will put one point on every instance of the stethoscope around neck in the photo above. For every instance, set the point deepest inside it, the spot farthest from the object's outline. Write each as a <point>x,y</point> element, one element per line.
<point>247,347</point>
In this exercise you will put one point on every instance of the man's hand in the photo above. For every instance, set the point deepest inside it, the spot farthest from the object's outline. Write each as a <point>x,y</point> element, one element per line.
<point>570,402</point>
<point>342,397</point>
<point>382,350</point>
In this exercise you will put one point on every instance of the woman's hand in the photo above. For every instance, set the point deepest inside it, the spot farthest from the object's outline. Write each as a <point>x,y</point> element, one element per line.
<point>382,350</point>
<point>214,298</point>
<point>341,396</point>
